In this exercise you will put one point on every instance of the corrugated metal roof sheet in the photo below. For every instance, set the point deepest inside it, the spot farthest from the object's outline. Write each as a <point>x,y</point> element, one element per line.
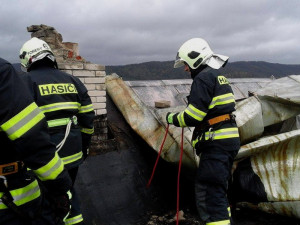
<point>176,90</point>
<point>274,159</point>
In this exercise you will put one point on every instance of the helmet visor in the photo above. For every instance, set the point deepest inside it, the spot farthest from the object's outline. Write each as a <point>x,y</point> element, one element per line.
<point>179,62</point>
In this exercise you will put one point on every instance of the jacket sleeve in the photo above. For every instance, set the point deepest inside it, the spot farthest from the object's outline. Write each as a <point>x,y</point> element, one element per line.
<point>198,105</point>
<point>86,115</point>
<point>26,127</point>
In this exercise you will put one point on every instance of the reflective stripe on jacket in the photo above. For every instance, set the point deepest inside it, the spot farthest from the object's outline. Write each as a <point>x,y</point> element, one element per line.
<point>24,137</point>
<point>210,96</point>
<point>22,122</point>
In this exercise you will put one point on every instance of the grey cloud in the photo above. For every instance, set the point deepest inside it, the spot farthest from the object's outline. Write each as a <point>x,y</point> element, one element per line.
<point>114,32</point>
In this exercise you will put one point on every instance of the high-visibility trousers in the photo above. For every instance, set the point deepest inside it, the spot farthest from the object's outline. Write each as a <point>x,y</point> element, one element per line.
<point>211,184</point>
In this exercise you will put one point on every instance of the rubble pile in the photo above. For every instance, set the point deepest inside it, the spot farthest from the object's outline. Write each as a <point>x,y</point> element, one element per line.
<point>169,218</point>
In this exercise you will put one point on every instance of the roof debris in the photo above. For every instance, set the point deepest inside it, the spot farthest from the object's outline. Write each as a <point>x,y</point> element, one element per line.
<point>266,115</point>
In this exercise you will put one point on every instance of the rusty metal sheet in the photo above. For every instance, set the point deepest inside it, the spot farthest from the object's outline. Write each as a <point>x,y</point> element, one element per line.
<point>265,144</point>
<point>253,113</point>
<point>275,159</point>
<point>285,208</point>
<point>276,110</point>
<point>249,119</point>
<point>279,101</point>
<point>145,123</point>
<point>291,124</point>
<point>279,169</point>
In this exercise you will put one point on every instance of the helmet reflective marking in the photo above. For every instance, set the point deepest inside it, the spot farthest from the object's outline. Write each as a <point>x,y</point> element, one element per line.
<point>33,50</point>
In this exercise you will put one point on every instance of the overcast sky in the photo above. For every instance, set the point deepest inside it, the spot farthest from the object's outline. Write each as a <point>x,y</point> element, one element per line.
<point>120,32</point>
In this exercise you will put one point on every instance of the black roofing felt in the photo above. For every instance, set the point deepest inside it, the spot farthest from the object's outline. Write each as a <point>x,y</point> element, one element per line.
<point>112,186</point>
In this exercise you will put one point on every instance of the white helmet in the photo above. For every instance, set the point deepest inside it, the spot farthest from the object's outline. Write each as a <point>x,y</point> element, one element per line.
<point>33,50</point>
<point>196,52</point>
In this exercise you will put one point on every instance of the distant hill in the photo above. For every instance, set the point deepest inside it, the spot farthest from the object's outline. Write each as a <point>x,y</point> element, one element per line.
<point>165,70</point>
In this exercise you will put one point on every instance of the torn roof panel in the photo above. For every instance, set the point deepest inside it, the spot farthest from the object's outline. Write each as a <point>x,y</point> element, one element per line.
<point>131,97</point>
<point>284,88</point>
<point>273,159</point>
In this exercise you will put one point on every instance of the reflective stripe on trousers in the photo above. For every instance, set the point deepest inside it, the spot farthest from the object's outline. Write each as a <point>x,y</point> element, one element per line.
<point>72,158</point>
<point>75,215</point>
<point>74,220</point>
<point>211,185</point>
<point>201,195</point>
<point>223,222</point>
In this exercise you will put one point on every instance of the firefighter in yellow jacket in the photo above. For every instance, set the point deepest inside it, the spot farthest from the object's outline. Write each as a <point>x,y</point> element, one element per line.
<point>67,106</point>
<point>216,138</point>
<point>25,143</point>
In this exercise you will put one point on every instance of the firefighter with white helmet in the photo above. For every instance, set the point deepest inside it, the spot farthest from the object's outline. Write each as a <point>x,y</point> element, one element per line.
<point>25,143</point>
<point>215,137</point>
<point>67,106</point>
<point>33,51</point>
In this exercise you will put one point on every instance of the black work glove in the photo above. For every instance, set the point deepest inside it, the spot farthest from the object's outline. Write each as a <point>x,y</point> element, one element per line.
<point>169,118</point>
<point>61,206</point>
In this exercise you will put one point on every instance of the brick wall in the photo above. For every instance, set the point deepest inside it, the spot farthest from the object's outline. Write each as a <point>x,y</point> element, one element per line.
<point>93,76</point>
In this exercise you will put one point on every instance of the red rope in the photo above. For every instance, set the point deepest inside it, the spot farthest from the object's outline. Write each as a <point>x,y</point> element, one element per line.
<point>158,156</point>
<point>179,168</point>
<point>178,179</point>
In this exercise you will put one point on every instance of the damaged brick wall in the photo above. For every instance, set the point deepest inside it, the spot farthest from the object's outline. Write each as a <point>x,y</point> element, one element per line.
<point>92,75</point>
